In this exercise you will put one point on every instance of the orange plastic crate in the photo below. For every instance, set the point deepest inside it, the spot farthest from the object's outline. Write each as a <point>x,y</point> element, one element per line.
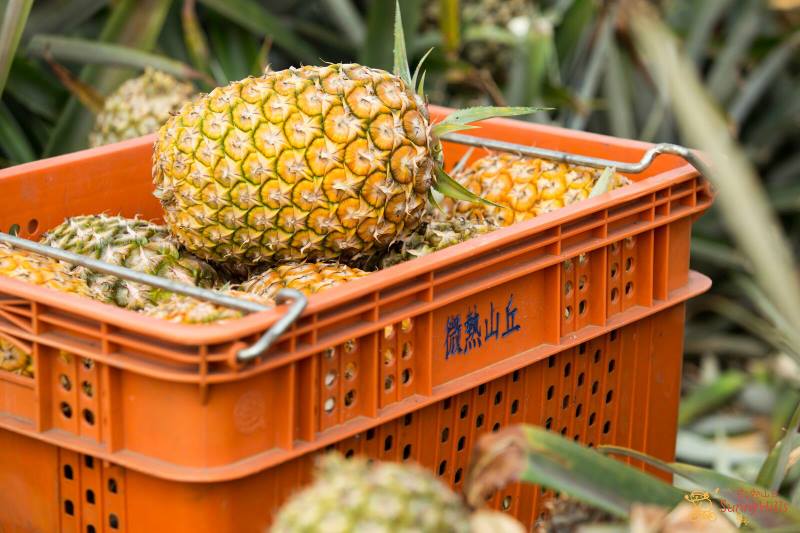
<point>618,388</point>
<point>169,403</point>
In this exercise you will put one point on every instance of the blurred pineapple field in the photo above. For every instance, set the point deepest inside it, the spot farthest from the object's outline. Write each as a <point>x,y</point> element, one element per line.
<point>728,84</point>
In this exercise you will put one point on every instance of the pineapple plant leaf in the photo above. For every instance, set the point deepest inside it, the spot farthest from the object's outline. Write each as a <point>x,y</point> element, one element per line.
<point>12,24</point>
<point>464,117</point>
<point>604,182</point>
<point>774,469</point>
<point>450,188</point>
<point>401,68</point>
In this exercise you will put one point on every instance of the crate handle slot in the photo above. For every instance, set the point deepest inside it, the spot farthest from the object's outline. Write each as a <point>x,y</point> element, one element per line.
<point>299,302</point>
<point>575,159</point>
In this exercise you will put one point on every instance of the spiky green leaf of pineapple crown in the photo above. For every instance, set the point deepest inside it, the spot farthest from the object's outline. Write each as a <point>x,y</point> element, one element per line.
<point>457,121</point>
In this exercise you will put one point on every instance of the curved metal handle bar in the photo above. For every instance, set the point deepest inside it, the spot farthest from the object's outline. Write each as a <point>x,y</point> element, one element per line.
<point>575,159</point>
<point>299,302</point>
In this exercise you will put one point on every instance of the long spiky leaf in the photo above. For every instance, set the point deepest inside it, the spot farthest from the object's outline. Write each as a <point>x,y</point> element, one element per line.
<point>12,25</point>
<point>401,68</point>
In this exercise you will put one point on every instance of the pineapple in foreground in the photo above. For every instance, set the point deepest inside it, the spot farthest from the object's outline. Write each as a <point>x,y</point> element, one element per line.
<point>15,360</point>
<point>352,495</point>
<point>317,162</point>
<point>525,187</point>
<point>40,270</point>
<point>133,243</point>
<point>139,107</point>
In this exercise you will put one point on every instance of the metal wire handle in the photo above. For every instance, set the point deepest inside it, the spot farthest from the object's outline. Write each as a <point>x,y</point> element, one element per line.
<point>299,299</point>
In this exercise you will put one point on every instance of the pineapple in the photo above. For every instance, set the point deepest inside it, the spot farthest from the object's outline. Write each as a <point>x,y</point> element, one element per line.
<point>352,495</point>
<point>40,270</point>
<point>437,234</point>
<point>136,244</point>
<point>308,278</point>
<point>524,186</point>
<point>311,163</point>
<point>139,107</point>
<point>15,360</point>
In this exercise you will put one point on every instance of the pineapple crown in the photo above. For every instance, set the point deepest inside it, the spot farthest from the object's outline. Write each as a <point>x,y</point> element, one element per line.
<point>457,121</point>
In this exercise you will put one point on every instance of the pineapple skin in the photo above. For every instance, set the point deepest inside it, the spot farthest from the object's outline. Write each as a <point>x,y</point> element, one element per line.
<point>524,186</point>
<point>139,107</point>
<point>133,243</point>
<point>307,163</point>
<point>14,360</point>
<point>352,495</point>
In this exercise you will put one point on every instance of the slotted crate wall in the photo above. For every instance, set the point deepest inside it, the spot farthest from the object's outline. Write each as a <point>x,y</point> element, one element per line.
<point>582,392</point>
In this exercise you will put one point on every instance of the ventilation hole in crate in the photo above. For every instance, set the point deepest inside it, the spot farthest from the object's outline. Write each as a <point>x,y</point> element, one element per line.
<point>515,376</point>
<point>446,403</point>
<point>581,283</point>
<point>567,369</point>
<point>464,411</point>
<point>567,288</point>
<point>69,507</point>
<point>90,529</point>
<point>33,225</point>
<point>548,423</point>
<point>629,288</point>
<point>514,407</point>
<point>496,427</point>
<point>442,468</point>
<point>88,364</point>
<point>13,229</point>
<point>581,378</point>
<point>330,448</point>
<point>630,242</point>
<point>408,419</point>
<point>614,294</point>
<point>551,361</point>
<point>66,384</point>
<point>629,264</point>
<point>113,521</point>
<point>406,452</point>
<point>112,485</point>
<point>445,434</point>
<point>349,453</point>
<point>609,396</point>
<point>597,354</point>
<point>387,443</point>
<point>583,259</point>
<point>550,391</point>
<point>564,430</point>
<point>329,353</point>
<point>591,445</point>
<point>462,441</point>
<point>388,383</point>
<point>349,398</point>
<point>87,388</point>
<point>329,405</point>
<point>568,265</point>
<point>498,397</point>
<point>592,417</point>
<point>606,427</point>
<point>565,401</point>
<point>614,246</point>
<point>88,416</point>
<point>568,311</point>
<point>408,350</point>
<point>582,348</point>
<point>371,434</point>
<point>349,346</point>
<point>406,324</point>
<point>613,335</point>
<point>66,410</point>
<point>578,410</point>
<point>614,270</point>
<point>406,376</point>
<point>581,307</point>
<point>481,390</point>
<point>457,476</point>
<point>479,421</point>
<point>388,356</point>
<point>90,496</point>
<point>68,474</point>
<point>506,504</point>
<point>611,365</point>
<point>595,387</point>
<point>576,438</point>
<point>388,332</point>
<point>350,371</point>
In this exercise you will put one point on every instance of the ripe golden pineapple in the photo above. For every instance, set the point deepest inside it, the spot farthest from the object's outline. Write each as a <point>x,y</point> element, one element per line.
<point>353,495</point>
<point>136,244</point>
<point>306,163</point>
<point>437,234</point>
<point>188,310</point>
<point>524,186</point>
<point>15,360</point>
<point>139,107</point>
<point>40,270</point>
